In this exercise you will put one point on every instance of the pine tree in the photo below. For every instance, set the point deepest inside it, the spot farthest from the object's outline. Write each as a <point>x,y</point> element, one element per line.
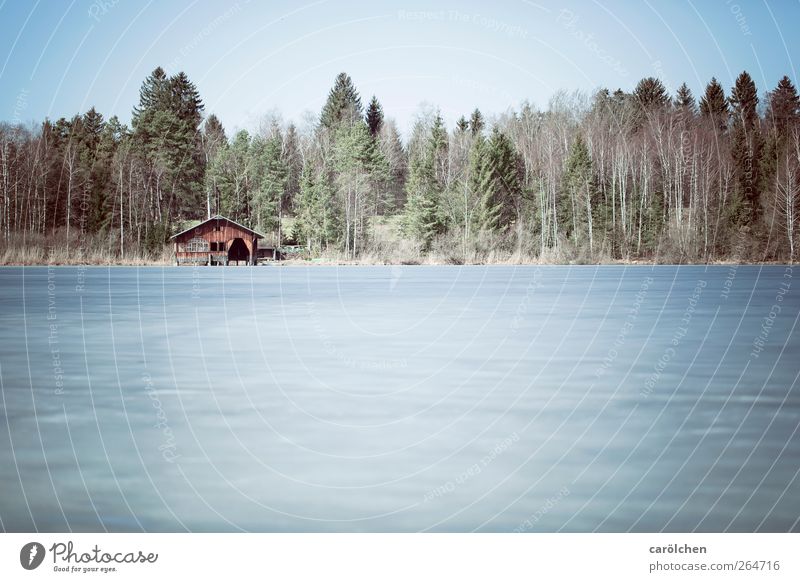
<point>343,104</point>
<point>213,140</point>
<point>462,125</point>
<point>684,100</point>
<point>576,204</point>
<point>496,179</point>
<point>188,108</point>
<point>746,147</point>
<point>651,94</point>
<point>476,122</point>
<point>780,165</point>
<point>213,131</point>
<point>783,107</point>
<point>101,213</point>
<point>439,147</point>
<point>154,94</point>
<point>744,100</point>
<point>270,183</point>
<point>354,161</point>
<point>166,123</point>
<point>714,105</point>
<point>422,218</point>
<point>374,117</point>
<point>93,164</point>
<point>393,151</point>
<point>233,167</point>
<point>317,220</point>
<point>293,160</point>
<point>186,102</point>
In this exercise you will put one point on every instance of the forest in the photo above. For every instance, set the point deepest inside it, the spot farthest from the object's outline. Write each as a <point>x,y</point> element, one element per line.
<point>613,176</point>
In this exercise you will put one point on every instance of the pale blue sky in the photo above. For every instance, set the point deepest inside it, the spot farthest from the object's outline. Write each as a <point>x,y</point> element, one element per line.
<point>247,57</point>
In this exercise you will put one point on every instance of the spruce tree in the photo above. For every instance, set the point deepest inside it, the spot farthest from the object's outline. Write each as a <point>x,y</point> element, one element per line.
<point>495,172</point>
<point>476,122</point>
<point>343,104</point>
<point>293,159</point>
<point>94,160</point>
<point>317,221</point>
<point>778,166</point>
<point>393,151</point>
<point>746,147</point>
<point>422,218</point>
<point>234,167</point>
<point>166,124</point>
<point>575,212</point>
<point>684,100</point>
<point>213,131</point>
<point>358,168</point>
<point>374,117</point>
<point>213,141</point>
<point>714,105</point>
<point>154,94</point>
<point>270,177</point>
<point>783,107</point>
<point>186,102</point>
<point>651,94</point>
<point>744,101</point>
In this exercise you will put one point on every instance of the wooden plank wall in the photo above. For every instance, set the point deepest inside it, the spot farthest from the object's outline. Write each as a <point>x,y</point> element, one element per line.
<point>227,233</point>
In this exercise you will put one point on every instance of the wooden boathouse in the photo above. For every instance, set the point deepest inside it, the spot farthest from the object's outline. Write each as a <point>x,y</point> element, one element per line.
<point>217,241</point>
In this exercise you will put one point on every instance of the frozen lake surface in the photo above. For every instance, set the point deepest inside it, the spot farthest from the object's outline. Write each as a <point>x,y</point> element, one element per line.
<point>586,398</point>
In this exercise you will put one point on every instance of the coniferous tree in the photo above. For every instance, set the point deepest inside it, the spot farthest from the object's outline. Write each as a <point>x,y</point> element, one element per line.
<point>476,122</point>
<point>354,159</point>
<point>213,131</point>
<point>293,159</point>
<point>746,147</point>
<point>462,125</point>
<point>422,218</point>
<point>497,180</point>
<point>783,107</point>
<point>166,123</point>
<point>317,220</point>
<point>186,102</point>
<point>93,164</point>
<point>394,153</point>
<point>374,117</point>
<point>154,94</point>
<point>270,183</point>
<point>576,212</point>
<point>213,140</point>
<point>233,167</point>
<point>714,105</point>
<point>651,94</point>
<point>343,104</point>
<point>780,167</point>
<point>684,100</point>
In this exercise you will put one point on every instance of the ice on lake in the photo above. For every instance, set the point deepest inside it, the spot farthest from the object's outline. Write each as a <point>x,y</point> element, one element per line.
<point>414,398</point>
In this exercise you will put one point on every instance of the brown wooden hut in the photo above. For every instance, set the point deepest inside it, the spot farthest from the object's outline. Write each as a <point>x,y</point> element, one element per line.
<point>216,241</point>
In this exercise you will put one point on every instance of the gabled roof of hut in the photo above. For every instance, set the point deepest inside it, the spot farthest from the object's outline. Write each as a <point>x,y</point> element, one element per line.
<point>218,217</point>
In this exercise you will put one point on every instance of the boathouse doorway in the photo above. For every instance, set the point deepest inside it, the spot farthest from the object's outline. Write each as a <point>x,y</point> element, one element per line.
<point>238,251</point>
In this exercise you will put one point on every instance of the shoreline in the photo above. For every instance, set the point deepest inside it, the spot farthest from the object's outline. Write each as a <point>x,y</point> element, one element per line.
<point>333,263</point>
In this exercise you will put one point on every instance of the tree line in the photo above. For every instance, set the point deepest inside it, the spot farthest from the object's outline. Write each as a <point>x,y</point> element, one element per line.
<point>613,176</point>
